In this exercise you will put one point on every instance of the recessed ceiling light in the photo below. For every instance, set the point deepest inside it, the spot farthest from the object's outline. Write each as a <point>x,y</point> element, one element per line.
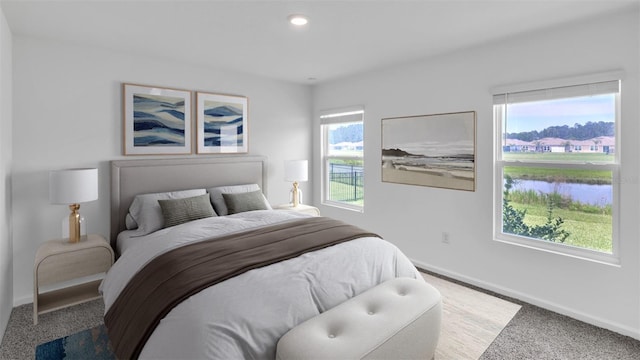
<point>298,20</point>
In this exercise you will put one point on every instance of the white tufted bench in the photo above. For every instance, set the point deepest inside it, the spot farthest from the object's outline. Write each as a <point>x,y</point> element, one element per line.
<point>398,319</point>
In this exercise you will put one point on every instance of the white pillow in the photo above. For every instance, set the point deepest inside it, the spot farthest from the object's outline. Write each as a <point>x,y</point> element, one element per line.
<point>146,212</point>
<point>218,200</point>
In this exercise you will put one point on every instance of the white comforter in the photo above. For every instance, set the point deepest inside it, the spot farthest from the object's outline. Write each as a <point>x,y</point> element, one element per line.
<point>243,317</point>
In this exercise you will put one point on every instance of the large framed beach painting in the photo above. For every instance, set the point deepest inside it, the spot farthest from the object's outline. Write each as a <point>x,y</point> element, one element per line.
<point>157,120</point>
<point>430,150</point>
<point>221,123</point>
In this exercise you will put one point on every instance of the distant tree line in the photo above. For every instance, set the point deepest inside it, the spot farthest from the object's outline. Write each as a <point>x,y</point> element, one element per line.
<point>587,131</point>
<point>350,133</point>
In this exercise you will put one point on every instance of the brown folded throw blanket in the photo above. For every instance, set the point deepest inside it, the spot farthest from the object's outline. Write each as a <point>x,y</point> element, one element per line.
<point>177,274</point>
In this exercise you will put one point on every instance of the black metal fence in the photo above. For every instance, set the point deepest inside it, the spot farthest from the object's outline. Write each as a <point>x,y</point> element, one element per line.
<point>347,182</point>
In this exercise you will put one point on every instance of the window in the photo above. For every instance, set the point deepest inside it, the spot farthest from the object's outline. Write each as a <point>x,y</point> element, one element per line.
<point>556,189</point>
<point>343,158</point>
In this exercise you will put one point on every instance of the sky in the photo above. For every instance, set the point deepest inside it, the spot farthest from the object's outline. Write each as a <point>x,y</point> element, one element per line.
<point>523,117</point>
<point>431,135</point>
<point>439,128</point>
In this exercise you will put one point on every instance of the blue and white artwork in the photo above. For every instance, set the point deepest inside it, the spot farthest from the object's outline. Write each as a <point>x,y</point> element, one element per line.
<point>222,123</point>
<point>156,120</point>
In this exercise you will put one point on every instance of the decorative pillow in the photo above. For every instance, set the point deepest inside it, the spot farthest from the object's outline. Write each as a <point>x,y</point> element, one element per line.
<point>218,202</point>
<point>246,201</point>
<point>130,223</point>
<point>146,211</point>
<point>178,211</point>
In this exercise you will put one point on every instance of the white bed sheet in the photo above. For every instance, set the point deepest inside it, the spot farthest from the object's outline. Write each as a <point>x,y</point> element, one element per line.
<point>243,317</point>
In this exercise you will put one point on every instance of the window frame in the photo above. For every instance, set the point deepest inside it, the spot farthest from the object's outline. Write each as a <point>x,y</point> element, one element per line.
<point>612,258</point>
<point>340,116</point>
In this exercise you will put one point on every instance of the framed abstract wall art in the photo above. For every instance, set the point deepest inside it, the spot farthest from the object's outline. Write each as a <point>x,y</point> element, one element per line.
<point>157,120</point>
<point>436,150</point>
<point>221,123</point>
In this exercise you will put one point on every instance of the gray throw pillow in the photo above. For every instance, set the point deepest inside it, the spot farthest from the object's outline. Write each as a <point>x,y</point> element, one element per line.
<point>178,211</point>
<point>246,201</point>
<point>146,213</point>
<point>218,202</point>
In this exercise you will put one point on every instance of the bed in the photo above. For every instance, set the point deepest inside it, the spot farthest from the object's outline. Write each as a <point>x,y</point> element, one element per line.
<point>245,315</point>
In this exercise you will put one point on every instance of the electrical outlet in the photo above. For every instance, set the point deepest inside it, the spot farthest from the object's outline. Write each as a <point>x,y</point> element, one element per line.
<point>445,237</point>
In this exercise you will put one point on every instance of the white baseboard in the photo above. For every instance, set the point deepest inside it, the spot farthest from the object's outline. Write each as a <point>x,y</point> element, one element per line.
<point>606,324</point>
<point>22,301</point>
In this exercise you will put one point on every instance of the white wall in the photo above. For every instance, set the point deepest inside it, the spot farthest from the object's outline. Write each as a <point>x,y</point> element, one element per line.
<point>67,109</point>
<point>414,217</point>
<point>6,265</point>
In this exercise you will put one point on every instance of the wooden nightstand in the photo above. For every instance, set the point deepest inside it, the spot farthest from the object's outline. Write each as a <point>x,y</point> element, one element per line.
<point>58,261</point>
<point>307,209</point>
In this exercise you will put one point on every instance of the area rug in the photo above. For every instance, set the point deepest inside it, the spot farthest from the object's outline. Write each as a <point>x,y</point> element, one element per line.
<point>87,344</point>
<point>471,320</point>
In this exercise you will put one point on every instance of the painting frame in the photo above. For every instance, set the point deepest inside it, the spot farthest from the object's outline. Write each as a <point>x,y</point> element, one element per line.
<point>214,113</point>
<point>156,120</point>
<point>435,150</point>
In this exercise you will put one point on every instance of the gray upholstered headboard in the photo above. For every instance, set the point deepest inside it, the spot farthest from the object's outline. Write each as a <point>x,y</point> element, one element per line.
<point>132,177</point>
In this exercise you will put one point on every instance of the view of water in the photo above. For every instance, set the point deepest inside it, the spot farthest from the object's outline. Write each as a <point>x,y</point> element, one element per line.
<point>585,193</point>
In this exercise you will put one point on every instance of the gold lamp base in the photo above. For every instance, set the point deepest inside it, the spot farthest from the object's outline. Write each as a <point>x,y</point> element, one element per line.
<point>74,223</point>
<point>294,194</point>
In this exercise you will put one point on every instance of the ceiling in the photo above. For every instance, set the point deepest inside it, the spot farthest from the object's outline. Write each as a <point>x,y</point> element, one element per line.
<point>342,38</point>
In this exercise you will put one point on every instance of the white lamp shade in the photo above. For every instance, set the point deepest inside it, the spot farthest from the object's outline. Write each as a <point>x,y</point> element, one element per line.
<point>72,186</point>
<point>296,170</point>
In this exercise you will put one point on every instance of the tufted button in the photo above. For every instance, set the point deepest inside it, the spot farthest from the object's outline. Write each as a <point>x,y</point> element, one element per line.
<point>331,336</point>
<point>370,313</point>
<point>402,293</point>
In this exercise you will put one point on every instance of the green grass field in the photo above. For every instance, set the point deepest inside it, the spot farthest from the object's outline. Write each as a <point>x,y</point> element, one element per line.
<point>600,177</point>
<point>561,175</point>
<point>346,193</point>
<point>589,231</point>
<point>549,156</point>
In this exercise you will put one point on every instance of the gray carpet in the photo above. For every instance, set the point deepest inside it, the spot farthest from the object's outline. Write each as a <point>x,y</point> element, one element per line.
<point>21,336</point>
<point>533,333</point>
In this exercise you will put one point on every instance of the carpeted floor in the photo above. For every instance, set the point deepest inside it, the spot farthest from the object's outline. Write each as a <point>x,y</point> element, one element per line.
<point>535,333</point>
<point>22,337</point>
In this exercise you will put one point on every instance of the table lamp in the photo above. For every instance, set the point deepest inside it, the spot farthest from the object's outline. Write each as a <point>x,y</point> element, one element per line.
<point>72,187</point>
<point>296,170</point>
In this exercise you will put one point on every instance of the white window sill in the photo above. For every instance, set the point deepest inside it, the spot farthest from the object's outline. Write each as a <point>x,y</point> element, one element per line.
<point>342,206</point>
<point>562,250</point>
